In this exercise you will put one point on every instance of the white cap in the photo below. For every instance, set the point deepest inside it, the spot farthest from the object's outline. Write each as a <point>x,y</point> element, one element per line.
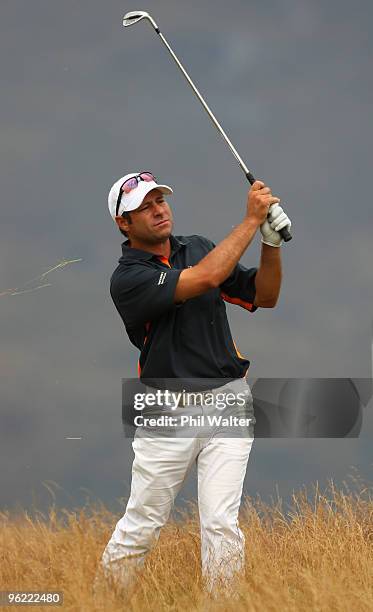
<point>133,199</point>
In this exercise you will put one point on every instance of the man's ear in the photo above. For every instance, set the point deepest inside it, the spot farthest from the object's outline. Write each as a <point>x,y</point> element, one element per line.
<point>122,223</point>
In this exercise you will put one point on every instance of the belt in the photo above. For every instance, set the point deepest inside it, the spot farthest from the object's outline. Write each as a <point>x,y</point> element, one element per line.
<point>190,398</point>
<point>195,398</point>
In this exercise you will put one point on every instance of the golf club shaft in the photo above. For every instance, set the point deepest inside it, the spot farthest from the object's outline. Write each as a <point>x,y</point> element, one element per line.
<point>284,232</point>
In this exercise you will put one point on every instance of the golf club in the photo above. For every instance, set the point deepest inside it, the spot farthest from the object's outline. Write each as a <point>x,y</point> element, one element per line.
<point>134,17</point>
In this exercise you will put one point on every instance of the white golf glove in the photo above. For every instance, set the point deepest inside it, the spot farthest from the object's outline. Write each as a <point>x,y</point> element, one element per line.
<point>273,224</point>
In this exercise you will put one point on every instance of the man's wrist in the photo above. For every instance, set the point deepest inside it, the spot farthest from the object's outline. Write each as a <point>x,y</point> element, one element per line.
<point>271,244</point>
<point>250,223</point>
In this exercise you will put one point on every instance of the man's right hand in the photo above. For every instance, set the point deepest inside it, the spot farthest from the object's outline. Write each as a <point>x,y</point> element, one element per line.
<point>259,200</point>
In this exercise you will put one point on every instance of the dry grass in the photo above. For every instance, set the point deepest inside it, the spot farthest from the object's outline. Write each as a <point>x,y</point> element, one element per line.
<point>316,555</point>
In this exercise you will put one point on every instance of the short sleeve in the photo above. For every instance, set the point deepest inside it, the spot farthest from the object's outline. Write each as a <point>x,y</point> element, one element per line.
<point>142,293</point>
<point>239,287</point>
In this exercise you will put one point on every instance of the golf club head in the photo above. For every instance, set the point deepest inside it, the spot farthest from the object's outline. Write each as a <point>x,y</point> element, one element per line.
<point>136,16</point>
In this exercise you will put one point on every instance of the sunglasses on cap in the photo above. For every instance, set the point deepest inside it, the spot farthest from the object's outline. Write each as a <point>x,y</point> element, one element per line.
<point>131,183</point>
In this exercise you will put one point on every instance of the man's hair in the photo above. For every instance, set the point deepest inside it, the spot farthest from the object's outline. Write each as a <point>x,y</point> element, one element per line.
<point>126,216</point>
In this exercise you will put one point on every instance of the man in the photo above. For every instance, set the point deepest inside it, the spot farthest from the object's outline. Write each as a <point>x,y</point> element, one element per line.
<point>170,292</point>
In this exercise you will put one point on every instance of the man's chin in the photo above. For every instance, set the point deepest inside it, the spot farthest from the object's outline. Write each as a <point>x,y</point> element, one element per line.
<point>160,237</point>
<point>162,233</point>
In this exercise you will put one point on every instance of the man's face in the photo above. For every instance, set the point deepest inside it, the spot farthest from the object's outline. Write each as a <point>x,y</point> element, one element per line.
<point>152,222</point>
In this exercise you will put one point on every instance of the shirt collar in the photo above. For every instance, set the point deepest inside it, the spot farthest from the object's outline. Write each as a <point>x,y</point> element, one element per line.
<point>129,253</point>
<point>177,243</point>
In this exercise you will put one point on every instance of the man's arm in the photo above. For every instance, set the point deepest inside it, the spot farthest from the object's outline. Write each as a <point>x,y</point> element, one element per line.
<point>268,277</point>
<point>217,265</point>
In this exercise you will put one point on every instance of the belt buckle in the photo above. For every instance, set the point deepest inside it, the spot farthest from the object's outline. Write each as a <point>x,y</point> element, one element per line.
<point>201,397</point>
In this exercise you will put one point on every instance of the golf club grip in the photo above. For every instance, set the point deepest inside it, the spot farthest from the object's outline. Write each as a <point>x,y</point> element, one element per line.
<point>284,232</point>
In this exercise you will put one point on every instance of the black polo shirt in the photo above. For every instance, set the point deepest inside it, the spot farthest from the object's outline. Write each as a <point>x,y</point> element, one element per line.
<point>191,340</point>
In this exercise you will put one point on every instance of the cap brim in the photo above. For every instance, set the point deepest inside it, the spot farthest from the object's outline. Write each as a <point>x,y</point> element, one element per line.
<point>134,198</point>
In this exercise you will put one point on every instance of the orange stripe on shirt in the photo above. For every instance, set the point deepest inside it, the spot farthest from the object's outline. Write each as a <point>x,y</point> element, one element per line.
<point>237,301</point>
<point>164,260</point>
<point>237,351</point>
<point>147,327</point>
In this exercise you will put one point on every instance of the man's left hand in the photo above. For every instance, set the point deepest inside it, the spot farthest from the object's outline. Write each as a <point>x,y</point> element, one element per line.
<point>276,220</point>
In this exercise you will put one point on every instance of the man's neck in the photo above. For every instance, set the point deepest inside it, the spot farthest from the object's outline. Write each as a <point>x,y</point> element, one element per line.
<point>163,248</point>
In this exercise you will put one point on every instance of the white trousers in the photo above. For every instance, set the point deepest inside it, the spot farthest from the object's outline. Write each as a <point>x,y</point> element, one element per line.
<point>159,469</point>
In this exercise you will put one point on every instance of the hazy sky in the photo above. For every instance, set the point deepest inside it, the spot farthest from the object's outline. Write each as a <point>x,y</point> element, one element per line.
<point>85,101</point>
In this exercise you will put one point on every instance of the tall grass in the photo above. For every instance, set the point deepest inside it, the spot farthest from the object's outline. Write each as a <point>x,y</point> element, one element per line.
<point>316,554</point>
